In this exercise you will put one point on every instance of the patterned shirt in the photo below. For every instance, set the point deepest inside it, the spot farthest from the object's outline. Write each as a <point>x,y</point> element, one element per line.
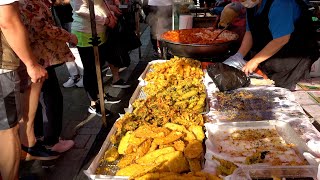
<point>48,41</point>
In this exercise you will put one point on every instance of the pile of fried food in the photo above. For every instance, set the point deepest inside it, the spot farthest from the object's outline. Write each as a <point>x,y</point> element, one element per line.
<point>162,138</point>
<point>202,36</point>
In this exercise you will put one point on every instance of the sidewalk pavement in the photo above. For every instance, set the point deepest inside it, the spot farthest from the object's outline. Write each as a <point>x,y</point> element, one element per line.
<point>87,130</point>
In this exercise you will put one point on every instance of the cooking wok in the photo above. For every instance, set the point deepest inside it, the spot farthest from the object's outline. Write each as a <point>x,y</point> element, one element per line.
<point>197,50</point>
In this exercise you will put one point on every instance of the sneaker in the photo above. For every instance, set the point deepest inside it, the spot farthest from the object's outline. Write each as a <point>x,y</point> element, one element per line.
<point>110,99</point>
<point>122,69</point>
<point>39,152</point>
<point>95,109</point>
<point>62,146</point>
<point>120,84</point>
<point>71,82</point>
<point>80,82</point>
<point>109,74</point>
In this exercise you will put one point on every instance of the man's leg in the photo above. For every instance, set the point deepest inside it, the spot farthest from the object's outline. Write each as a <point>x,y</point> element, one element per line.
<point>9,156</point>
<point>9,115</point>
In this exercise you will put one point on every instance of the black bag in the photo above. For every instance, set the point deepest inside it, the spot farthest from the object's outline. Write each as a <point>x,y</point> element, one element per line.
<point>116,54</point>
<point>126,26</point>
<point>227,77</point>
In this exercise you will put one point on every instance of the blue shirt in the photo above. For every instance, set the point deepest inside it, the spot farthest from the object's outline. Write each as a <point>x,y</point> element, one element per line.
<point>282,16</point>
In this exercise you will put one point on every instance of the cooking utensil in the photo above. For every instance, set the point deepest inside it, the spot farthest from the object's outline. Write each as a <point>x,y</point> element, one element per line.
<point>221,32</point>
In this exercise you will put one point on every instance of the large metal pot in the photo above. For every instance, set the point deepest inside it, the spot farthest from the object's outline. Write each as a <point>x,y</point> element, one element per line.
<point>197,50</point>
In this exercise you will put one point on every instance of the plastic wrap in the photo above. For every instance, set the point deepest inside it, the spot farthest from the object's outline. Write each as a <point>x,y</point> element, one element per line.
<point>285,131</point>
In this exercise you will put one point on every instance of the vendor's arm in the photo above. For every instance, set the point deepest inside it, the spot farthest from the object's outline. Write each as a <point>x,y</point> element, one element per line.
<point>246,44</point>
<point>268,51</point>
<point>282,17</point>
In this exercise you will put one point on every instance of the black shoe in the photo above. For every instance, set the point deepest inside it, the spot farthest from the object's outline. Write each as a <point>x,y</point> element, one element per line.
<point>120,84</point>
<point>39,152</point>
<point>95,109</point>
<point>110,99</point>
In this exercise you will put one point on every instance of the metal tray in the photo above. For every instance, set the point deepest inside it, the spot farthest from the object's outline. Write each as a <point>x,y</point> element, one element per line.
<point>90,172</point>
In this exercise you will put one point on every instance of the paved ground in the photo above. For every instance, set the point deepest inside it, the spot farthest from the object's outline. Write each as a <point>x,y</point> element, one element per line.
<point>89,136</point>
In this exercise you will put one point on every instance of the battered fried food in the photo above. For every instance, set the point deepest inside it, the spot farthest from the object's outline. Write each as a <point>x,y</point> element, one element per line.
<point>135,170</point>
<point>194,165</point>
<point>127,160</point>
<point>111,154</point>
<point>124,143</point>
<point>193,149</point>
<point>197,131</point>
<point>175,127</point>
<point>173,136</point>
<point>173,162</point>
<point>179,145</point>
<point>152,156</point>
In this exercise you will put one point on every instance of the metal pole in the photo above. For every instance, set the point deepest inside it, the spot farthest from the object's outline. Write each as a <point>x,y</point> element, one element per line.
<point>95,42</point>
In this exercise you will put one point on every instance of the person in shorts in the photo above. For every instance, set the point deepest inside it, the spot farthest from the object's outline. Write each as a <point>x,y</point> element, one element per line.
<point>14,46</point>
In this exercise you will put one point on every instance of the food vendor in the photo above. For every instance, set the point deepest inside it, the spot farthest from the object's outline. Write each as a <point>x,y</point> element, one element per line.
<point>280,40</point>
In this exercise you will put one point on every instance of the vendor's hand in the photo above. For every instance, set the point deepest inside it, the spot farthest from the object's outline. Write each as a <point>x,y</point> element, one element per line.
<point>115,9</point>
<point>37,73</point>
<point>250,67</point>
<point>73,41</point>
<point>235,61</point>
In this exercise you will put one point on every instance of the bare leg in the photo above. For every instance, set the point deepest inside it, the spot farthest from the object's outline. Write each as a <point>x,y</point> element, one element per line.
<point>30,100</point>
<point>115,73</point>
<point>10,155</point>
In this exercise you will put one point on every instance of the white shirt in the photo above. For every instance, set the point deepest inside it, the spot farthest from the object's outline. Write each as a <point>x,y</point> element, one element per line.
<point>4,2</point>
<point>160,2</point>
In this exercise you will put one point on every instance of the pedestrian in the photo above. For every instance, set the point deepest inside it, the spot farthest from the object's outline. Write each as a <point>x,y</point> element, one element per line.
<point>15,45</point>
<point>63,11</point>
<point>160,20</point>
<point>81,27</point>
<point>280,39</point>
<point>49,45</point>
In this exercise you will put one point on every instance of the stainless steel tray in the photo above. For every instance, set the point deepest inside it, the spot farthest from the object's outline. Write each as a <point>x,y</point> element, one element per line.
<point>91,171</point>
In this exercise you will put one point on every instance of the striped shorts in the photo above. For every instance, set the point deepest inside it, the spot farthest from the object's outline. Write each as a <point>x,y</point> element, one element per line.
<point>10,107</point>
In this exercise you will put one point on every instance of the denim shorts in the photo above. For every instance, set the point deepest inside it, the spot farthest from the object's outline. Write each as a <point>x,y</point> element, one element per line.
<point>10,106</point>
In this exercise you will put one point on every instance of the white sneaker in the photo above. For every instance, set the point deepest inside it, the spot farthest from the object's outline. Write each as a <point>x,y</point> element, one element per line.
<point>80,82</point>
<point>122,69</point>
<point>70,83</point>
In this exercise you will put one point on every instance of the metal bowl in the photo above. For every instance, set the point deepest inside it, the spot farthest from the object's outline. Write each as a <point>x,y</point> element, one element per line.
<point>197,50</point>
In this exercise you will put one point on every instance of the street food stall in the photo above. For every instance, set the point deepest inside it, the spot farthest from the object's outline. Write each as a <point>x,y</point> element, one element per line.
<point>180,126</point>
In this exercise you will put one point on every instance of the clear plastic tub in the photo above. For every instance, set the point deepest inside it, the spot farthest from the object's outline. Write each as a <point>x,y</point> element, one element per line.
<point>280,172</point>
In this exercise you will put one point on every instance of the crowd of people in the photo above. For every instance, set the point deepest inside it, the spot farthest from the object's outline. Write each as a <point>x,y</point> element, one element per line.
<point>36,37</point>
<point>39,35</point>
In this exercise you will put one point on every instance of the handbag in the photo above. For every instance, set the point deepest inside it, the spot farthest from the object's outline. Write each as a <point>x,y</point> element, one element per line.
<point>129,38</point>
